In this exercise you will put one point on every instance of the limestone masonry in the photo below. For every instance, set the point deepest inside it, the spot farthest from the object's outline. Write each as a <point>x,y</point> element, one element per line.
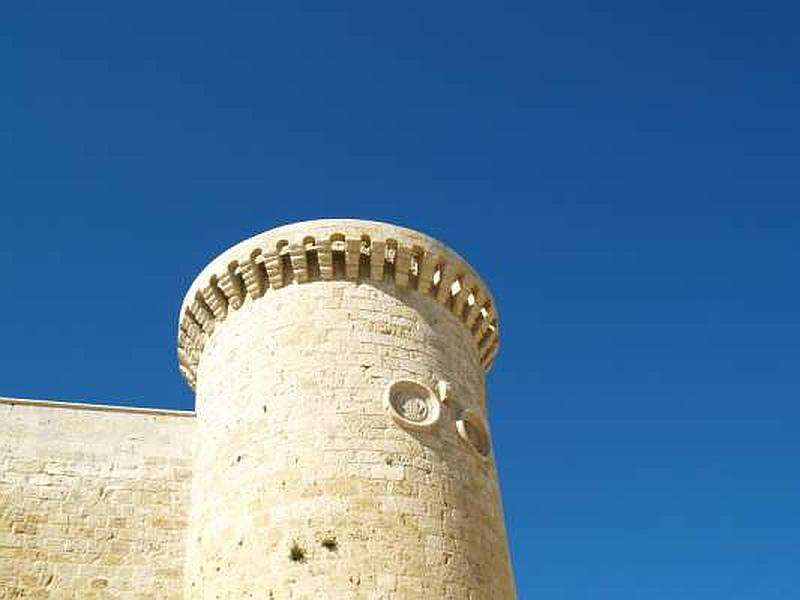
<point>339,447</point>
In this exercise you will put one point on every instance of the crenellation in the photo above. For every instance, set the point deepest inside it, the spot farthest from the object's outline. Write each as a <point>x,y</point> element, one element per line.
<point>353,257</point>
<point>337,255</point>
<point>299,265</point>
<point>444,287</point>
<point>232,286</point>
<point>402,265</point>
<point>335,337</point>
<point>340,446</point>
<point>199,312</point>
<point>466,283</point>
<point>272,264</point>
<point>254,275</point>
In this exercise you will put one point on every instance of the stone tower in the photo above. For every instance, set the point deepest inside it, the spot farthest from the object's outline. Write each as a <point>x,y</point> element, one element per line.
<point>342,447</point>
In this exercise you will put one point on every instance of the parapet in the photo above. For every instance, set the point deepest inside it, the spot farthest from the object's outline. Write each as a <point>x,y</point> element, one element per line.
<point>334,249</point>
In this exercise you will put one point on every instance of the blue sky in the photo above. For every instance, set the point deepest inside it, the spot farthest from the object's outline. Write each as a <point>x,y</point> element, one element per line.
<point>624,176</point>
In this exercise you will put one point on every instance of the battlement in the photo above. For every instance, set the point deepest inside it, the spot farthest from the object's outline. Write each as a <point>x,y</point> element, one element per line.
<point>334,249</point>
<point>340,446</point>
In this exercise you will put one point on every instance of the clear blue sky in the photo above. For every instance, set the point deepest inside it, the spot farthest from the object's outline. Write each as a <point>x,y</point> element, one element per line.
<point>625,175</point>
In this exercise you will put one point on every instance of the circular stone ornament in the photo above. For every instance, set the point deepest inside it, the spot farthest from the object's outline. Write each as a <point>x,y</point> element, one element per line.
<point>412,405</point>
<point>473,431</point>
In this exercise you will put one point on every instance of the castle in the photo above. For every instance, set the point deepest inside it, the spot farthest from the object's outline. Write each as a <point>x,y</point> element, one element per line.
<point>339,446</point>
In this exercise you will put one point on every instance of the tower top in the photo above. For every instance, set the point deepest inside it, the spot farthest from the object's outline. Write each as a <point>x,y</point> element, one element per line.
<point>330,249</point>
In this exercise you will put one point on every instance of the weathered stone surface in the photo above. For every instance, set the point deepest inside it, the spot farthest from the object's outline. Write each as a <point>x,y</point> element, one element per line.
<point>365,251</point>
<point>93,501</point>
<point>340,447</point>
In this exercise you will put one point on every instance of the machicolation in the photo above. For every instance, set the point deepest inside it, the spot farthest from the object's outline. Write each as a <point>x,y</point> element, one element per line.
<point>339,448</point>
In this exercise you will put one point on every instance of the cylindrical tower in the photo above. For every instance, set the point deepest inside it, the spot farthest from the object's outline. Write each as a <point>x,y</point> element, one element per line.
<point>342,441</point>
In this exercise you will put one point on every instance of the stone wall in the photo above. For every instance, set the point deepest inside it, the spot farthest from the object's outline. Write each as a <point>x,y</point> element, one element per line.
<point>330,249</point>
<point>342,443</point>
<point>295,447</point>
<point>341,447</point>
<point>93,501</point>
